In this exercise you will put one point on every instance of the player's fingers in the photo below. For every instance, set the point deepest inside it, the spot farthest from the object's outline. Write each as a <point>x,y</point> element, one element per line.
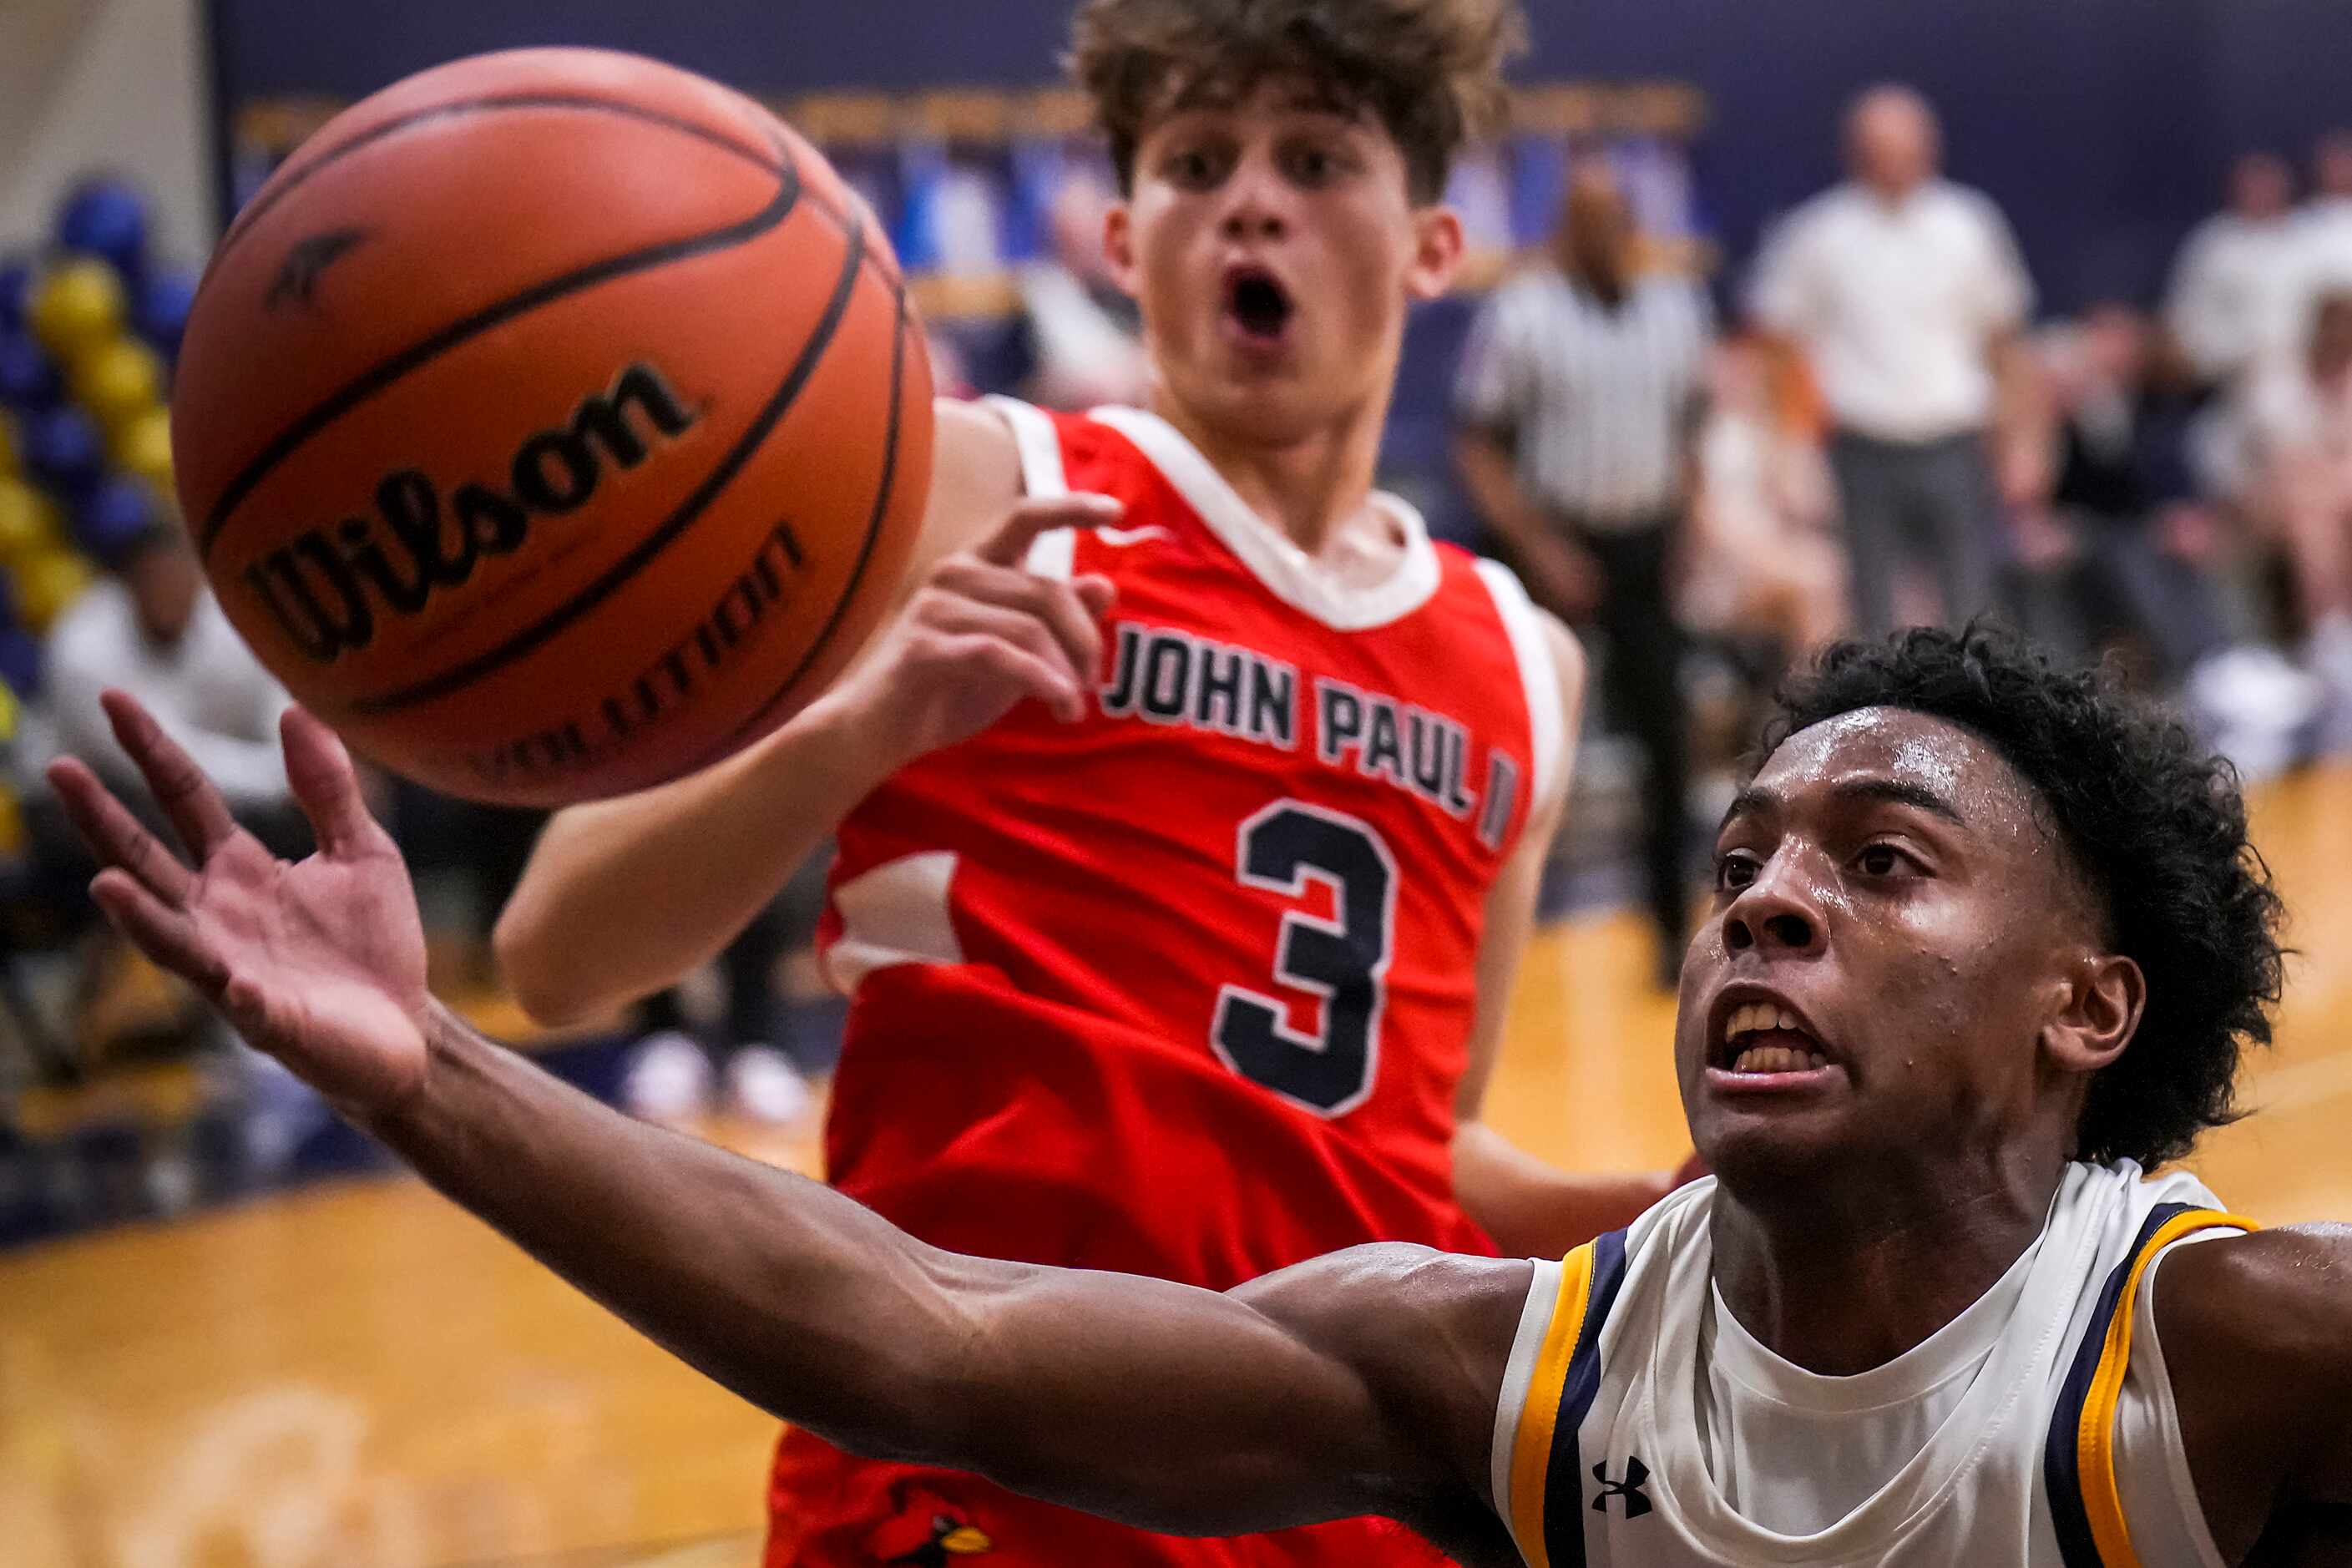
<point>1009,543</point>
<point>324,783</point>
<point>115,836</point>
<point>1035,677</point>
<point>169,936</point>
<point>1055,605</point>
<point>1096,594</point>
<point>189,798</point>
<point>973,618</point>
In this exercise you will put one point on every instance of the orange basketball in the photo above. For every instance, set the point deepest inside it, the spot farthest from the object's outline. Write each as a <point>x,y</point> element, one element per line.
<point>554,422</point>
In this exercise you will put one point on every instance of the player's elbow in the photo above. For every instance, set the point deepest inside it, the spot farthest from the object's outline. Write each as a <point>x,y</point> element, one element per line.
<point>532,967</point>
<point>923,1390</point>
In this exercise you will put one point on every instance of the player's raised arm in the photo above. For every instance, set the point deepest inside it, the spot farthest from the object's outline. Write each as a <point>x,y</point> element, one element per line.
<point>2257,1337</point>
<point>1364,1383</point>
<point>622,897</point>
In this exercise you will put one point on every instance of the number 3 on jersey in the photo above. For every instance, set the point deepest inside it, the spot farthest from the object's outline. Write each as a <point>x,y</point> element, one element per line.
<point>1344,960</point>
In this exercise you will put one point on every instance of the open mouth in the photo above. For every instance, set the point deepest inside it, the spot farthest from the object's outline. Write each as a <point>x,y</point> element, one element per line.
<point>1258,305</point>
<point>1763,1038</point>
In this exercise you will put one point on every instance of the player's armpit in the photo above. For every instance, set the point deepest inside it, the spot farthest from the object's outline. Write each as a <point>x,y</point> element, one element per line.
<point>2257,1335</point>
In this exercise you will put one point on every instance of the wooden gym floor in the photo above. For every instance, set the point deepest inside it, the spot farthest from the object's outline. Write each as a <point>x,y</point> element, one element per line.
<point>358,1374</point>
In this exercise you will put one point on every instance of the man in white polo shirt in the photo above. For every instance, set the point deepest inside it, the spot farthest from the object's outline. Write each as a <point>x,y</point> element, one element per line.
<point>1906,292</point>
<point>2236,297</point>
<point>2323,236</point>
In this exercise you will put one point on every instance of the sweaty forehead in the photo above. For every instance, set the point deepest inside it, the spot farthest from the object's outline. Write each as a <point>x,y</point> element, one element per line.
<point>1954,764</point>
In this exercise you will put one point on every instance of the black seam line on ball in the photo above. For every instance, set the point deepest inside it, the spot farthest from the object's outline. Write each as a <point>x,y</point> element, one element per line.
<point>386,372</point>
<point>811,353</point>
<point>883,493</point>
<point>490,104</point>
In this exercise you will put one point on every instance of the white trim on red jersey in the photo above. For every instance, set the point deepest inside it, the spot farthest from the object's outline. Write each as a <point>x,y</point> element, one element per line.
<point>1286,571</point>
<point>1053,554</point>
<point>1538,671</point>
<point>1043,478</point>
<point>896,913</point>
<point>1039,444</point>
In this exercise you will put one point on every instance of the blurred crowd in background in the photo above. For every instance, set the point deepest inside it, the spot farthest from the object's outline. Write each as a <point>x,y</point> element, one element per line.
<point>1707,464</point>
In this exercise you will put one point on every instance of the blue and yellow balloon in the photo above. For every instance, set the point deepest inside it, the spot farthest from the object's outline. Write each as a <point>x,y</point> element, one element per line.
<point>76,305</point>
<point>107,217</point>
<point>118,381</point>
<point>46,582</point>
<point>143,448</point>
<point>30,524</point>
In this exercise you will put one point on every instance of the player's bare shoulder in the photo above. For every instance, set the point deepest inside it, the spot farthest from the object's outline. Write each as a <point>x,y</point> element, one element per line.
<point>2257,1336</point>
<point>975,478</point>
<point>1431,1335</point>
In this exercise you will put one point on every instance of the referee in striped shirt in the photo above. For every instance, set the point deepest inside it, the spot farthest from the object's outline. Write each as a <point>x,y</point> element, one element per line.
<point>1576,411</point>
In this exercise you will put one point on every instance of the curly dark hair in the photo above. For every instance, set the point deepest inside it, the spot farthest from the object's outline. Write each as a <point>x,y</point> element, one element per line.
<point>1431,70</point>
<point>2155,824</point>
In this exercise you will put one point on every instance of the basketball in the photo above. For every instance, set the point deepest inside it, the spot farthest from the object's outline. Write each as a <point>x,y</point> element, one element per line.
<point>554,423</point>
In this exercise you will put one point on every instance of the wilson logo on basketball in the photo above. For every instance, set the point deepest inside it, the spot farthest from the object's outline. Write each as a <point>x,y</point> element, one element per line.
<point>326,588</point>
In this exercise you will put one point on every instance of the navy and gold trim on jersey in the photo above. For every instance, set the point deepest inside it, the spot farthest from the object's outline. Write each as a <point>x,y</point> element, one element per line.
<point>2078,1458</point>
<point>1547,1475</point>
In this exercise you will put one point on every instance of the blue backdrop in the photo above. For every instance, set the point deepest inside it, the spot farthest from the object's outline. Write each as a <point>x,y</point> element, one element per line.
<point>2103,126</point>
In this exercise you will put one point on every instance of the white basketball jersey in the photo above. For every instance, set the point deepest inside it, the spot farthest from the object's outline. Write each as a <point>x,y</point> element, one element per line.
<point>1640,1427</point>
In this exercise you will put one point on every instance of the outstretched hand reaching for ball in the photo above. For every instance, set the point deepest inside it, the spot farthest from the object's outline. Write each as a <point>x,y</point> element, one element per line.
<point>320,963</point>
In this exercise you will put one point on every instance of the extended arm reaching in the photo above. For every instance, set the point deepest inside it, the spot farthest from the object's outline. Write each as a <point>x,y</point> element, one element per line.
<point>622,897</point>
<point>1361,1383</point>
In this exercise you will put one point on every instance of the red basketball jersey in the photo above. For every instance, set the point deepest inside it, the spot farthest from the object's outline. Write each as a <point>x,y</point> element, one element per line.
<point>1185,988</point>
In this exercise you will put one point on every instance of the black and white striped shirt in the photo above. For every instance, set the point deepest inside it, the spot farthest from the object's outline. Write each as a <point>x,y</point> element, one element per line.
<point>1597,397</point>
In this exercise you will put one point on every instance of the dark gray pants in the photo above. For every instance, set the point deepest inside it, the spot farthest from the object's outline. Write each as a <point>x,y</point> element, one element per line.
<point>2128,584</point>
<point>1908,502</point>
<point>1642,692</point>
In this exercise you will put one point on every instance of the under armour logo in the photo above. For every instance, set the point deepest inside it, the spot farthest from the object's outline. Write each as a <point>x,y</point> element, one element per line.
<point>298,278</point>
<point>1628,1491</point>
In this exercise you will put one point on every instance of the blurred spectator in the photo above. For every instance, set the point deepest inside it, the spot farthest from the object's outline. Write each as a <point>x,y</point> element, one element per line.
<point>2127,400</point>
<point>152,627</point>
<point>1576,408</point>
<point>1081,334</point>
<point>2297,426</point>
<point>2236,292</point>
<point>1907,292</point>
<point>1762,558</point>
<point>2324,230</point>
